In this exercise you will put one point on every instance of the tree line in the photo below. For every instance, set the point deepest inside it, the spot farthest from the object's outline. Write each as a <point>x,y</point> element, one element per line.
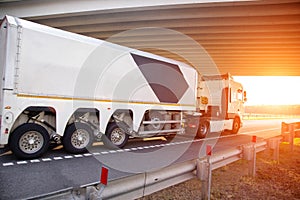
<point>273,109</point>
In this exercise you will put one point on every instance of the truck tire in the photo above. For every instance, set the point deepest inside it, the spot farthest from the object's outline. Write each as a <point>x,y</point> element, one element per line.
<point>203,129</point>
<point>78,138</point>
<point>154,116</point>
<point>236,125</point>
<point>29,141</point>
<point>116,136</point>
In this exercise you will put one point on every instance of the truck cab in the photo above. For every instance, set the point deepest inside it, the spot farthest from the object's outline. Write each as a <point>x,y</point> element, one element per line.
<point>220,99</point>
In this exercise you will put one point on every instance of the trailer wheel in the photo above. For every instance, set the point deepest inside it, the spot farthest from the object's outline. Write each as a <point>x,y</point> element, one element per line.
<point>236,125</point>
<point>29,141</point>
<point>116,135</point>
<point>203,129</point>
<point>78,138</point>
<point>154,116</point>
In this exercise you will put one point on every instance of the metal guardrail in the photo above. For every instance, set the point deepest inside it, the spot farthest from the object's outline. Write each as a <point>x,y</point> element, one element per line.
<point>143,184</point>
<point>289,131</point>
<point>206,165</point>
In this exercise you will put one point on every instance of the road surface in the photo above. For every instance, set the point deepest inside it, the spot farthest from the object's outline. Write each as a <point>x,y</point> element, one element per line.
<point>59,171</point>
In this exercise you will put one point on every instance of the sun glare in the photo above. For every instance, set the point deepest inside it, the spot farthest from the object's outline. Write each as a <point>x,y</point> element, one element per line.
<point>271,90</point>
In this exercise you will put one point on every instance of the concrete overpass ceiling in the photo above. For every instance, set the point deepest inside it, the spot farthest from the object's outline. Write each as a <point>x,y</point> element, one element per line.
<point>243,38</point>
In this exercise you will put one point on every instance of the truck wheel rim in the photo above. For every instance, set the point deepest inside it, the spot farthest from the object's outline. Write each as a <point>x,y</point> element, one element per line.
<point>117,136</point>
<point>203,129</point>
<point>235,125</point>
<point>31,142</point>
<point>80,139</point>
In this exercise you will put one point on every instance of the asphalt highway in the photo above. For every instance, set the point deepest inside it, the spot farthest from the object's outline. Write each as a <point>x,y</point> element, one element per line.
<point>59,171</point>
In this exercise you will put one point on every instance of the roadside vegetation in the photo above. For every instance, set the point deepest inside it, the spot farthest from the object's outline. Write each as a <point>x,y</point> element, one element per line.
<point>271,112</point>
<point>251,116</point>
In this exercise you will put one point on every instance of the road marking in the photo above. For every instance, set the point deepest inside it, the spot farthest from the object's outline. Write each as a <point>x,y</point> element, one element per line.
<point>127,150</point>
<point>176,143</point>
<point>35,161</point>
<point>8,164</point>
<point>92,154</point>
<point>22,162</point>
<point>57,158</point>
<point>68,157</point>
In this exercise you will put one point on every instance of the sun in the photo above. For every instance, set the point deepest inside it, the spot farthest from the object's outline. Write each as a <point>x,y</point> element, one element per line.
<point>271,90</point>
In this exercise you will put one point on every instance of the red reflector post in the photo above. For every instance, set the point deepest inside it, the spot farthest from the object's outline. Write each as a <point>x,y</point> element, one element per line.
<point>208,150</point>
<point>104,175</point>
<point>254,138</point>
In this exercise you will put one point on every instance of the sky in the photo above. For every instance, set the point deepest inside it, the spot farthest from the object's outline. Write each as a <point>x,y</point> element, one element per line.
<point>271,90</point>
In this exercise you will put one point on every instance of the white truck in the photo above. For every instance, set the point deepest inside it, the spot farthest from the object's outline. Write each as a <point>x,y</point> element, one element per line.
<point>220,99</point>
<point>63,88</point>
<point>67,88</point>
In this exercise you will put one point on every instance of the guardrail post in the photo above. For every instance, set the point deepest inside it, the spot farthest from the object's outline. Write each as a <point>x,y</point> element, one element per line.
<point>284,133</point>
<point>204,169</point>
<point>291,136</point>
<point>273,144</point>
<point>95,192</point>
<point>249,153</point>
<point>253,160</point>
<point>283,127</point>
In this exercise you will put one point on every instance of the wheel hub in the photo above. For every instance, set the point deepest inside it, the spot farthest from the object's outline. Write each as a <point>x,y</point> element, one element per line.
<point>117,136</point>
<point>31,142</point>
<point>80,139</point>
